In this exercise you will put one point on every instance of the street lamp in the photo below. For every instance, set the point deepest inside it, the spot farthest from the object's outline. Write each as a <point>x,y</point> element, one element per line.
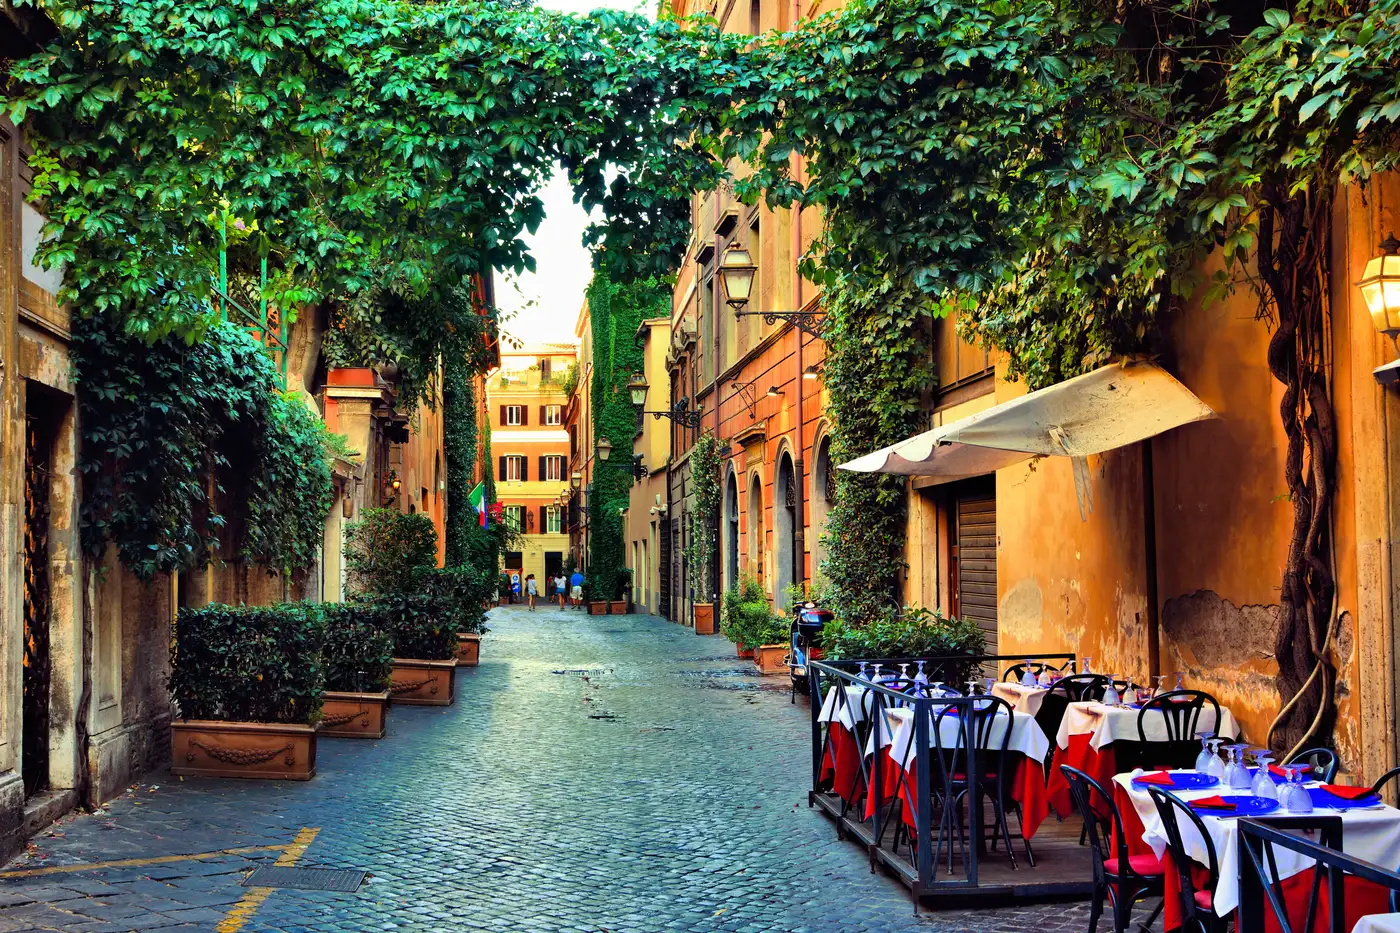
<point>773,392</point>
<point>576,479</point>
<point>737,271</point>
<point>1380,286</point>
<point>637,388</point>
<point>604,449</point>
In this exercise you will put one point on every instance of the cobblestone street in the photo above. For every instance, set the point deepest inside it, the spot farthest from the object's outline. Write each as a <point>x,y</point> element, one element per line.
<point>597,774</point>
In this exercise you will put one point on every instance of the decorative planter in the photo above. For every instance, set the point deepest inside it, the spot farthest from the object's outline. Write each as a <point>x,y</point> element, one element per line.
<point>416,682</point>
<point>743,652</point>
<point>771,659</point>
<point>505,600</point>
<point>704,618</point>
<point>618,607</point>
<point>354,715</point>
<point>468,649</point>
<point>267,750</point>
<point>598,609</point>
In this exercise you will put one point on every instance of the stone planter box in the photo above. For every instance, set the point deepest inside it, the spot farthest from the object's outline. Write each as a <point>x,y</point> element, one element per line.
<point>618,607</point>
<point>705,619</point>
<point>771,659</point>
<point>354,715</point>
<point>417,682</point>
<point>598,609</point>
<point>468,649</point>
<point>266,750</point>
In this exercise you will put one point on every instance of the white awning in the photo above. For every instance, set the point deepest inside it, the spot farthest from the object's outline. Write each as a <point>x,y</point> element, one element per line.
<point>1089,414</point>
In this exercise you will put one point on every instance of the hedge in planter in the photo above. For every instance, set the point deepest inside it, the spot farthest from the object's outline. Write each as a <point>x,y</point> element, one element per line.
<point>359,657</point>
<point>913,633</point>
<point>248,683</point>
<point>425,622</point>
<point>386,549</point>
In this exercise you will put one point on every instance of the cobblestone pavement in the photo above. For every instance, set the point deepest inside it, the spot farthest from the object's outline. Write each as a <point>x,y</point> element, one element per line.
<point>598,774</point>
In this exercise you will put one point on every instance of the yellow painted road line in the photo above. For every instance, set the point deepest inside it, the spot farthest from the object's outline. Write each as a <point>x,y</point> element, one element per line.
<point>243,911</point>
<point>135,862</point>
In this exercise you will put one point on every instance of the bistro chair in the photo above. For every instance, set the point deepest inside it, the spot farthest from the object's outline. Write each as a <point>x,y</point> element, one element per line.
<point>1385,779</point>
<point>1181,713</point>
<point>978,723</point>
<point>1323,762</point>
<point>1124,881</point>
<point>1014,672</point>
<point>1197,902</point>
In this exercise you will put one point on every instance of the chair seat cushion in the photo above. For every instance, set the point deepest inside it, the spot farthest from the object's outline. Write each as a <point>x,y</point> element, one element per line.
<point>1146,864</point>
<point>1205,900</point>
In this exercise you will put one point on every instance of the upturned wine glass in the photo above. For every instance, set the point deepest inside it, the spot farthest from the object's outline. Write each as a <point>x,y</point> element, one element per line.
<point>1237,776</point>
<point>1295,796</point>
<point>1264,785</point>
<point>1110,696</point>
<point>1027,677</point>
<point>1216,768</point>
<point>1204,759</point>
<point>1086,670</point>
<point>1179,684</point>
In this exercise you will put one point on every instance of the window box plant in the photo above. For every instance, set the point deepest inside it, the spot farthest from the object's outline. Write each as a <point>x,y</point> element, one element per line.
<point>247,683</point>
<point>359,654</point>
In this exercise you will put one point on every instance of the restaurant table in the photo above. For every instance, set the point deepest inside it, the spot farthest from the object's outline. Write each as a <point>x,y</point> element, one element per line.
<point>1026,748</point>
<point>841,760</point>
<point>1369,834</point>
<point>1089,731</point>
<point>1022,699</point>
<point>1378,923</point>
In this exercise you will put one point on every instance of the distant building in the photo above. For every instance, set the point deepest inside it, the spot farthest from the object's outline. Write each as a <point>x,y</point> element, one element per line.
<point>526,404</point>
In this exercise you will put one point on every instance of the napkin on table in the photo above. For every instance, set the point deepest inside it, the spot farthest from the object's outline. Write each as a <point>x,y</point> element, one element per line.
<point>1347,792</point>
<point>1276,769</point>
<point>1212,803</point>
<point>1156,777</point>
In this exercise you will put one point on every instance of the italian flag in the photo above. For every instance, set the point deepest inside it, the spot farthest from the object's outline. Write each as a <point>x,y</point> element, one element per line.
<point>477,498</point>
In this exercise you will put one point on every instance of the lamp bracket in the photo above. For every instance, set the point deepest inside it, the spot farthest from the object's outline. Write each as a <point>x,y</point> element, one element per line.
<point>747,395</point>
<point>809,322</point>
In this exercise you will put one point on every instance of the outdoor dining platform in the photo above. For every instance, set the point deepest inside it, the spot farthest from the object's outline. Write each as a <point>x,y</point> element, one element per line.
<point>948,772</point>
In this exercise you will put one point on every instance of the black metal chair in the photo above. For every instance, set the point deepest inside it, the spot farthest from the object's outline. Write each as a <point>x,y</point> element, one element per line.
<point>1385,779</point>
<point>1077,688</point>
<point>1197,903</point>
<point>1322,761</point>
<point>978,725</point>
<point>1015,671</point>
<point>1181,714</point>
<point>1124,880</point>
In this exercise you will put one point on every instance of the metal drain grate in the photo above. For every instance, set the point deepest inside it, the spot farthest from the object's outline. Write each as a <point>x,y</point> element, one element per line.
<point>307,879</point>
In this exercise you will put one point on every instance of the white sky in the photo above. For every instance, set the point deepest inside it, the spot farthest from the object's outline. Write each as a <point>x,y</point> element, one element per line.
<point>541,307</point>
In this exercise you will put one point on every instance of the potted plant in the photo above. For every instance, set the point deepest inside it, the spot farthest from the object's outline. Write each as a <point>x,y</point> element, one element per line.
<point>704,473</point>
<point>744,607</point>
<point>424,622</point>
<point>771,648</point>
<point>503,588</point>
<point>596,606</point>
<point>359,654</point>
<point>464,587</point>
<point>621,583</point>
<point>910,633</point>
<point>247,683</point>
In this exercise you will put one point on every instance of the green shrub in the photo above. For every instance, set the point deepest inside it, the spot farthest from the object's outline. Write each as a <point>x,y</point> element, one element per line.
<point>386,548</point>
<point>249,663</point>
<point>425,622</point>
<point>747,619</point>
<point>913,633</point>
<point>359,650</point>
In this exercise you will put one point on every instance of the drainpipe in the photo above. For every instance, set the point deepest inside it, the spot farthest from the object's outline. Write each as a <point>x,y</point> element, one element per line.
<point>1149,528</point>
<point>799,466</point>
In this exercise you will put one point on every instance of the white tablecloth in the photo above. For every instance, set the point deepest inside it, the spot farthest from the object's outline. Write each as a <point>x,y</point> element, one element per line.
<point>1022,699</point>
<point>847,713</point>
<point>1378,923</point>
<point>1026,735</point>
<point>1106,724</point>
<point>1373,835</point>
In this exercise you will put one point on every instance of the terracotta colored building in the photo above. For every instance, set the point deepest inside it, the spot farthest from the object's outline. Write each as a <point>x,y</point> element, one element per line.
<point>646,524</point>
<point>526,404</point>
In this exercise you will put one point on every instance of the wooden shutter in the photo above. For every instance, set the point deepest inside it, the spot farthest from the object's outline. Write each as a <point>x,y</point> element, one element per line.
<point>977,563</point>
<point>524,415</point>
<point>502,474</point>
<point>544,519</point>
<point>543,419</point>
<point>544,474</point>
<point>524,469</point>
<point>503,416</point>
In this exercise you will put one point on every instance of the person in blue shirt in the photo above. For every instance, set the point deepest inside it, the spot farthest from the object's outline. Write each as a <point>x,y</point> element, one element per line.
<point>576,589</point>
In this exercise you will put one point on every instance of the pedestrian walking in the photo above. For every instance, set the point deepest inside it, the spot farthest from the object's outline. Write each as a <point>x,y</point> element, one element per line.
<point>531,590</point>
<point>560,587</point>
<point>576,589</point>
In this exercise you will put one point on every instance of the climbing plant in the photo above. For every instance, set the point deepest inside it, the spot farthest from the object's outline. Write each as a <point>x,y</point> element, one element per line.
<point>704,512</point>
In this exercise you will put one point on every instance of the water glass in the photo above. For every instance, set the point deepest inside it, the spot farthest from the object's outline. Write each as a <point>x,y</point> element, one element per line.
<point>1216,768</point>
<point>1237,776</point>
<point>1204,759</point>
<point>1110,696</point>
<point>1264,784</point>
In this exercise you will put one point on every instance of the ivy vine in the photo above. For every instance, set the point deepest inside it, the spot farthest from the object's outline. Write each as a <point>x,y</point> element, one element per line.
<point>704,513</point>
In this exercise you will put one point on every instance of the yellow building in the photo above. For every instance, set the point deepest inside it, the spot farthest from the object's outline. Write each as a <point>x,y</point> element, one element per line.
<point>526,402</point>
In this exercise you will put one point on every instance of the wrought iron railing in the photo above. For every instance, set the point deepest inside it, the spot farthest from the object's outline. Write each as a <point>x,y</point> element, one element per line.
<point>1264,903</point>
<point>938,835</point>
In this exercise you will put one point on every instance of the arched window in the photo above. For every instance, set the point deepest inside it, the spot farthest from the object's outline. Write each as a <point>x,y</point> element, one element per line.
<point>823,485</point>
<point>731,532</point>
<point>786,554</point>
<point>753,526</point>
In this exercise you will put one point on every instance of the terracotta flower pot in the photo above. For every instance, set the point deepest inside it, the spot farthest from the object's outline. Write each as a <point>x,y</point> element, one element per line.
<point>618,607</point>
<point>354,715</point>
<point>598,608</point>
<point>417,682</point>
<point>704,618</point>
<point>268,750</point>
<point>505,600</point>
<point>743,652</point>
<point>771,659</point>
<point>468,649</point>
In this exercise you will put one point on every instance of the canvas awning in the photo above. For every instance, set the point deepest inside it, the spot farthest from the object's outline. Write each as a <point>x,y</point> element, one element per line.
<point>1110,407</point>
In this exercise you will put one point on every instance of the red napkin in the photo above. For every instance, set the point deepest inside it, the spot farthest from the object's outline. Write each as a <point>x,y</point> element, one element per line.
<point>1277,769</point>
<point>1156,777</point>
<point>1212,803</point>
<point>1347,792</point>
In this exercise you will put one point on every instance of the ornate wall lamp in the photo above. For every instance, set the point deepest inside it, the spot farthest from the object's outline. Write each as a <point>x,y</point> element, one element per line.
<point>680,412</point>
<point>1380,287</point>
<point>737,271</point>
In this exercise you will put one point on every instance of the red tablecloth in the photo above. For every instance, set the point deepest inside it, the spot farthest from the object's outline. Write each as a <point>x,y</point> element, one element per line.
<point>841,763</point>
<point>1100,765</point>
<point>1362,897</point>
<point>1027,788</point>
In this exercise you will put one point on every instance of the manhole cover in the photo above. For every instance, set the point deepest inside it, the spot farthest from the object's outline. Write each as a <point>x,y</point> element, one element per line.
<point>307,879</point>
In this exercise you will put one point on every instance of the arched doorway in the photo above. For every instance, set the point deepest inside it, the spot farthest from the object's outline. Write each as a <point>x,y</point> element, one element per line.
<point>784,531</point>
<point>731,532</point>
<point>753,526</point>
<point>823,481</point>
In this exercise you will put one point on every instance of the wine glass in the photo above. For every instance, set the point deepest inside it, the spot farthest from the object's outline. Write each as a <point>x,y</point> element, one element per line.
<point>904,672</point>
<point>1043,679</point>
<point>1027,678</point>
<point>864,671</point>
<point>1086,670</point>
<point>1237,776</point>
<point>1295,796</point>
<point>920,679</point>
<point>972,684</point>
<point>878,668</point>
<point>937,688</point>
<point>1110,696</point>
<point>1204,758</point>
<point>1159,678</point>
<point>1263,785</point>
<point>1216,767</point>
<point>1179,684</point>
